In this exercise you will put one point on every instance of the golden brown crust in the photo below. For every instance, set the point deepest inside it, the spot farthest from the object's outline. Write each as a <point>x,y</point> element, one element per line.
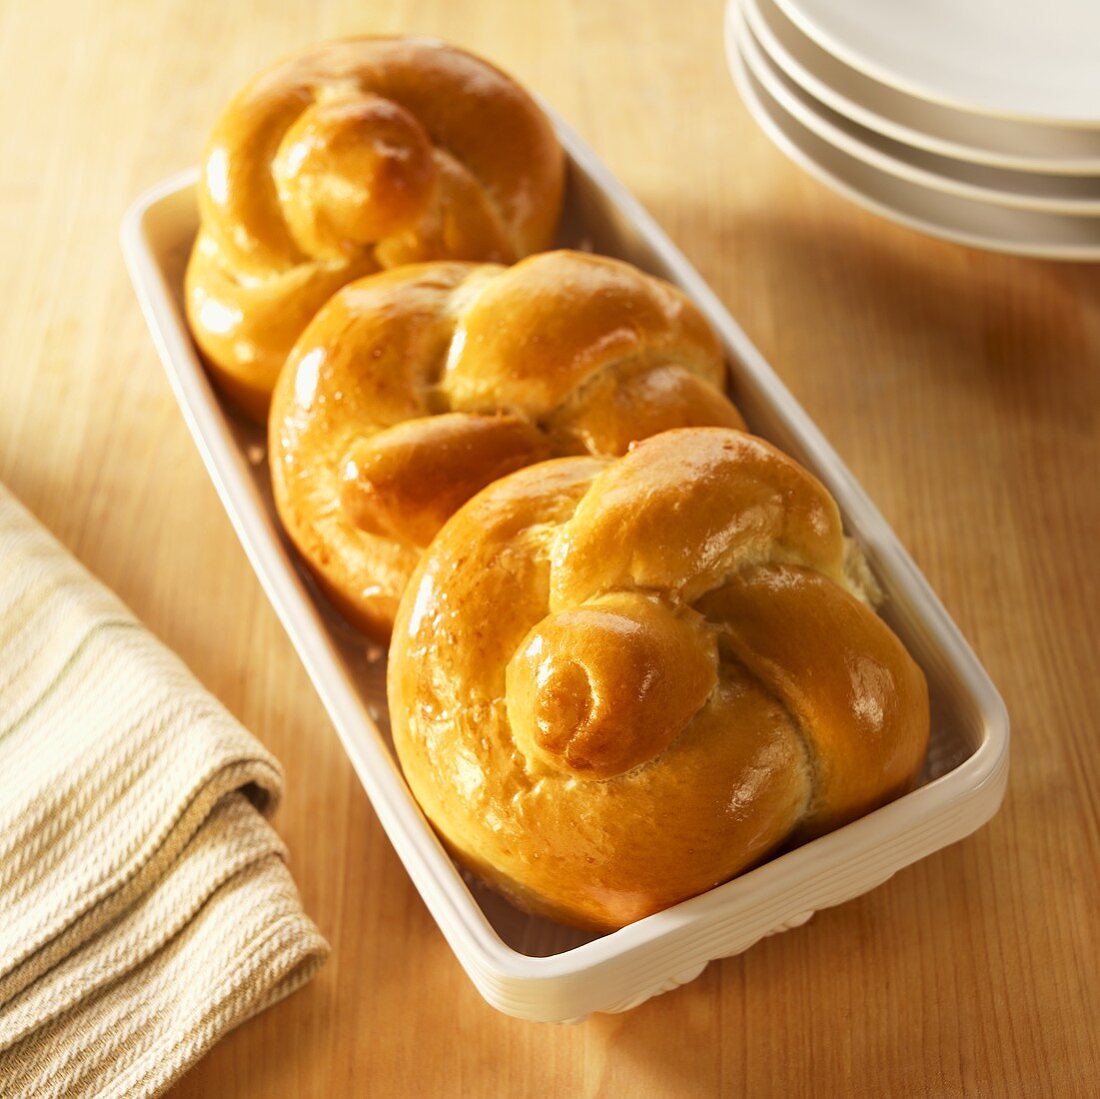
<point>406,481</point>
<point>412,389</point>
<point>348,158</point>
<point>604,687</point>
<point>846,680</point>
<point>616,684</point>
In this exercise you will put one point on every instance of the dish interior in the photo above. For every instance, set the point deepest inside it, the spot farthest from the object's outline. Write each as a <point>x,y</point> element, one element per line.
<point>594,220</point>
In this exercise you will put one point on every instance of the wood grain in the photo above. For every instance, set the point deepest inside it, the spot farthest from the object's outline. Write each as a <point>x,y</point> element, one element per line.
<point>962,388</point>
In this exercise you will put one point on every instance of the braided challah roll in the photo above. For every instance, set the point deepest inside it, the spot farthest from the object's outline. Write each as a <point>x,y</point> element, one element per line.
<point>349,158</point>
<point>413,389</point>
<point>616,684</point>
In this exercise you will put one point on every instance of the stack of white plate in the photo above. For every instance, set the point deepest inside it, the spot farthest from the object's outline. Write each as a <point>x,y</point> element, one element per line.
<point>974,120</point>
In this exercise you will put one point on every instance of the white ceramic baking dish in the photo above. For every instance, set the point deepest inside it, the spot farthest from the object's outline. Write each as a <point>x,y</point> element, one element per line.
<point>524,966</point>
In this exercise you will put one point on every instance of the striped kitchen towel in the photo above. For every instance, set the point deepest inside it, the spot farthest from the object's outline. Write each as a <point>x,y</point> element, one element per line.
<point>145,907</point>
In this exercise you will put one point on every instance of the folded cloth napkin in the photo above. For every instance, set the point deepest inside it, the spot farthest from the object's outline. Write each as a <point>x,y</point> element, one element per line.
<point>145,907</point>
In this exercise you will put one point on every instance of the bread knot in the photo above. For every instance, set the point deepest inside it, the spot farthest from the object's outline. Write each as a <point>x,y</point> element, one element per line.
<point>675,669</point>
<point>413,389</point>
<point>349,158</point>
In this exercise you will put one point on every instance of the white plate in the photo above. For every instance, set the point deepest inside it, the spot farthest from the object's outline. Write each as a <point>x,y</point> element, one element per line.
<point>523,966</point>
<point>1077,196</point>
<point>979,139</point>
<point>964,220</point>
<point>1032,60</point>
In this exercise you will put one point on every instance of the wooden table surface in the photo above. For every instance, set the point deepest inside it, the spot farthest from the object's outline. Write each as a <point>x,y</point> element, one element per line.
<point>962,388</point>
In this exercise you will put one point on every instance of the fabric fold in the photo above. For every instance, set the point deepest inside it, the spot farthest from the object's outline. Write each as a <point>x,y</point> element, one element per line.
<point>145,907</point>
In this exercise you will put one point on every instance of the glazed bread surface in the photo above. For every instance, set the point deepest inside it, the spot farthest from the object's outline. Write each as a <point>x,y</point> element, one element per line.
<point>413,389</point>
<point>348,158</point>
<point>614,684</point>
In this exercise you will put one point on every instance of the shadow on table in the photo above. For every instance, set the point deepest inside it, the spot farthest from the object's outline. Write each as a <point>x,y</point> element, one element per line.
<point>849,996</point>
<point>979,320</point>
